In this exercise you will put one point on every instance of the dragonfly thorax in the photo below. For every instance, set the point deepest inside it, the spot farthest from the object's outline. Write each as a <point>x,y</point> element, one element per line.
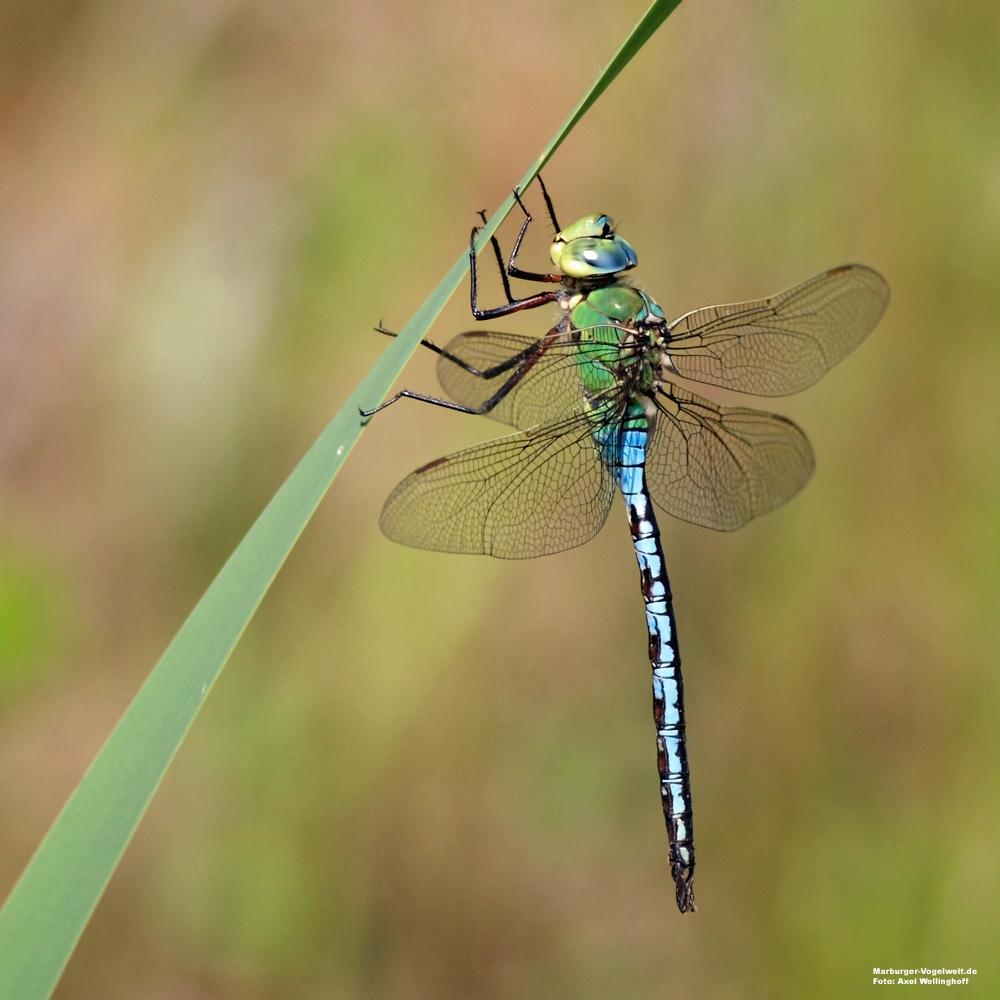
<point>590,249</point>
<point>620,306</point>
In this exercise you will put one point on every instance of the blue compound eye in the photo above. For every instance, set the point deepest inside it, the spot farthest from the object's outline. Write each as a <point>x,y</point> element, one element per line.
<point>589,248</point>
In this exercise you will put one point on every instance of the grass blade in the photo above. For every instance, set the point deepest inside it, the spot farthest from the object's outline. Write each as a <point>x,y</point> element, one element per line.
<point>49,907</point>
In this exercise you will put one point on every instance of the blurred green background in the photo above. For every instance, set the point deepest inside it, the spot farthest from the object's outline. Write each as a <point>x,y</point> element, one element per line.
<point>425,776</point>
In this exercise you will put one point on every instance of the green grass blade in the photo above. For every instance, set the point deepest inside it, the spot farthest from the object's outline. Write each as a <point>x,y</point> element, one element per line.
<point>49,907</point>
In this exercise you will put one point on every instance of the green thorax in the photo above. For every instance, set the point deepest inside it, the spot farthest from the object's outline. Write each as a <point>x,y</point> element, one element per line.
<point>605,322</point>
<point>619,304</point>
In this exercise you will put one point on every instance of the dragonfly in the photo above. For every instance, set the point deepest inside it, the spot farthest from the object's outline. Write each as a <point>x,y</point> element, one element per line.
<point>601,404</point>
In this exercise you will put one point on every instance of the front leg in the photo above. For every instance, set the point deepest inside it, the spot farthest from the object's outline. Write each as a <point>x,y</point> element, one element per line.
<point>513,305</point>
<point>512,269</point>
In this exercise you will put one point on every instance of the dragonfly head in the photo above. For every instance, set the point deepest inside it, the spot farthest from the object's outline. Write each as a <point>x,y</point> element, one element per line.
<point>590,248</point>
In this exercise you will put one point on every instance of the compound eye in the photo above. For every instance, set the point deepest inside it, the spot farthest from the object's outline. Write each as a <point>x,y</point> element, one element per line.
<point>590,257</point>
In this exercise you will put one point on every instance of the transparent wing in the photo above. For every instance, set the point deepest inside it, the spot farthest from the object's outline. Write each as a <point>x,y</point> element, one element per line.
<point>545,392</point>
<point>722,466</point>
<point>529,494</point>
<point>780,345</point>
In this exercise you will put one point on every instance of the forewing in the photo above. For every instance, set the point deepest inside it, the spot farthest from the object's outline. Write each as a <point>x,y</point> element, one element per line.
<point>722,466</point>
<point>546,386</point>
<point>529,494</point>
<point>780,345</point>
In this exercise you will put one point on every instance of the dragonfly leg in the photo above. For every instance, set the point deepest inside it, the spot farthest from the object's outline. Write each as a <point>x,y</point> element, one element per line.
<point>501,267</point>
<point>512,269</point>
<point>423,343</point>
<point>407,394</point>
<point>521,363</point>
<point>486,373</point>
<point>512,305</point>
<point>548,204</point>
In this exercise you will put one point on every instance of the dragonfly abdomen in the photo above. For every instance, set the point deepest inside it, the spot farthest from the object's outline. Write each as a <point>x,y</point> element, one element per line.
<point>664,657</point>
